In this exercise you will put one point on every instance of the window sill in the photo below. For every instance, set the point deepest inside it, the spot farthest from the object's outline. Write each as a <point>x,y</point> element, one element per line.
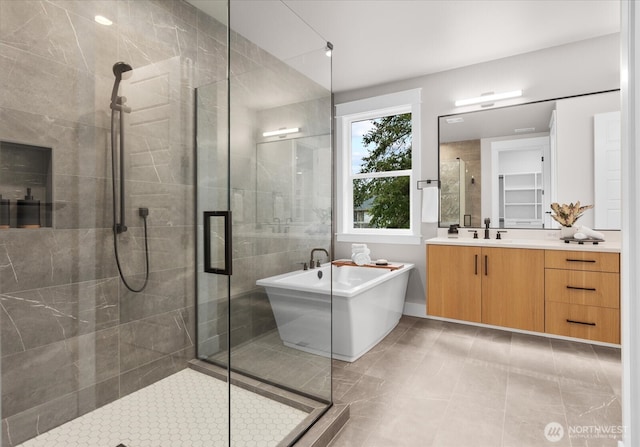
<point>406,239</point>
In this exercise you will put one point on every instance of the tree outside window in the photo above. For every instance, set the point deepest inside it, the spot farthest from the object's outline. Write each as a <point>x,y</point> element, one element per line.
<point>381,172</point>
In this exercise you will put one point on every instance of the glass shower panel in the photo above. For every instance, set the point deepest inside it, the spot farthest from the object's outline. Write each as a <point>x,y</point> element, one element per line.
<point>281,196</point>
<point>278,192</point>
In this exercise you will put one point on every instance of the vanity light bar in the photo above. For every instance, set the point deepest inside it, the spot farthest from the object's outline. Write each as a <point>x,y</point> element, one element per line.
<point>274,133</point>
<point>488,98</point>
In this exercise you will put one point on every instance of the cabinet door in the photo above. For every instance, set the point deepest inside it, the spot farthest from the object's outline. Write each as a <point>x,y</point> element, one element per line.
<point>454,282</point>
<point>513,288</point>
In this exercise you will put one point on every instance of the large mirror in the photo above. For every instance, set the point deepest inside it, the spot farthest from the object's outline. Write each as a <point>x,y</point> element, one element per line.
<point>293,176</point>
<point>509,164</point>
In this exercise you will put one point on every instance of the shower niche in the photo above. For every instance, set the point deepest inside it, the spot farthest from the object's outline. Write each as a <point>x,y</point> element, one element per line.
<point>25,186</point>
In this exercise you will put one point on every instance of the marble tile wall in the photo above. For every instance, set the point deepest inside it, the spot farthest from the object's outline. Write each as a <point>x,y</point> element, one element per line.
<point>73,338</point>
<point>469,151</point>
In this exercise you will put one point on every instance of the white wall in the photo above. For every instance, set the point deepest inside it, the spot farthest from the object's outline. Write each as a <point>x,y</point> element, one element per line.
<point>575,130</point>
<point>587,66</point>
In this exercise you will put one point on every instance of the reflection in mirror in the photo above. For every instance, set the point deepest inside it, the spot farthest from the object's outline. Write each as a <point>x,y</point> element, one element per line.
<point>509,164</point>
<point>293,179</point>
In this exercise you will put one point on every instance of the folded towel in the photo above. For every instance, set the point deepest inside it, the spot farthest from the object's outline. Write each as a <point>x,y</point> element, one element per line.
<point>361,259</point>
<point>589,232</point>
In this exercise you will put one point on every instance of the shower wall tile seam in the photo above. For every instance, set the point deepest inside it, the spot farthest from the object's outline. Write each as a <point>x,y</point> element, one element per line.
<point>7,357</point>
<point>159,359</point>
<point>161,314</point>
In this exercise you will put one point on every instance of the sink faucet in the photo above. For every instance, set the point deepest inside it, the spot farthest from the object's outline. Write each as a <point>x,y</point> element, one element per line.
<point>487,222</point>
<point>277,220</point>
<point>311,262</point>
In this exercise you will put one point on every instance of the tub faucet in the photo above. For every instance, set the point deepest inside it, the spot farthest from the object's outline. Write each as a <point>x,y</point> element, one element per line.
<point>311,261</point>
<point>487,222</point>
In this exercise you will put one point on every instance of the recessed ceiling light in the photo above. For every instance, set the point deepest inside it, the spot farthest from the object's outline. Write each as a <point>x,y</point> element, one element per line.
<point>524,129</point>
<point>102,20</point>
<point>455,120</point>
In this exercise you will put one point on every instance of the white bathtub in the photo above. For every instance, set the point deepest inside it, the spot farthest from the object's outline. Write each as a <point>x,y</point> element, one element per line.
<point>367,305</point>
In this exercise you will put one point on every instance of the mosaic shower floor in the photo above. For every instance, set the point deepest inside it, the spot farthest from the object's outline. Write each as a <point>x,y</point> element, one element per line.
<point>187,409</point>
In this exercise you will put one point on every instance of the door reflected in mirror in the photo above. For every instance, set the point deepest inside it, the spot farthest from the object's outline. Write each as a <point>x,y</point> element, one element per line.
<point>509,164</point>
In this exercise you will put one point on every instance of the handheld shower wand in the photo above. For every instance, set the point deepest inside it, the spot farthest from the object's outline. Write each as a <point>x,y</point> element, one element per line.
<point>118,105</point>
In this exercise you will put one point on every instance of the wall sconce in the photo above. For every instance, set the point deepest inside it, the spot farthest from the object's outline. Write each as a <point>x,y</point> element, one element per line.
<point>488,97</point>
<point>283,131</point>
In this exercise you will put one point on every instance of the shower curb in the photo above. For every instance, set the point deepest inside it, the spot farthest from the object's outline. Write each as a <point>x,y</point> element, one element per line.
<point>326,422</point>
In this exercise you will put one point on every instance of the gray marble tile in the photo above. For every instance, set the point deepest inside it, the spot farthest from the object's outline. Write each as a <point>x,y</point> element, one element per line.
<point>48,31</point>
<point>166,291</point>
<point>525,426</point>
<point>82,202</point>
<point>42,374</point>
<point>38,317</point>
<point>533,390</point>
<point>59,257</point>
<point>67,139</point>
<point>164,35</point>
<point>414,422</point>
<point>483,383</point>
<point>149,373</point>
<point>436,377</point>
<point>30,423</point>
<point>153,338</point>
<point>46,87</point>
<point>466,421</point>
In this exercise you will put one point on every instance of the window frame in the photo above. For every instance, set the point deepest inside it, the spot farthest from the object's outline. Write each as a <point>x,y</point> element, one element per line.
<point>371,108</point>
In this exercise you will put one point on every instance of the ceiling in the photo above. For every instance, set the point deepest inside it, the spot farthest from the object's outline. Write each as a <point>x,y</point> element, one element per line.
<point>380,41</point>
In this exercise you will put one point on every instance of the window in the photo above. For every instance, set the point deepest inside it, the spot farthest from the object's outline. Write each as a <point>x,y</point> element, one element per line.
<point>378,157</point>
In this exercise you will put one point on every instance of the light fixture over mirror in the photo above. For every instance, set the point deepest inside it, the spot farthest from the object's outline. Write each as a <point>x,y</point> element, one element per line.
<point>510,163</point>
<point>280,132</point>
<point>488,97</point>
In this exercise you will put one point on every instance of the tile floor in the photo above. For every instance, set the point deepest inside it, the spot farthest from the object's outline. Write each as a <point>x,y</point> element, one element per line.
<point>186,409</point>
<point>431,383</point>
<point>268,358</point>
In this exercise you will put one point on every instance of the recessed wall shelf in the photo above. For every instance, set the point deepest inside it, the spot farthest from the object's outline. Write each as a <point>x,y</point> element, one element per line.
<point>25,166</point>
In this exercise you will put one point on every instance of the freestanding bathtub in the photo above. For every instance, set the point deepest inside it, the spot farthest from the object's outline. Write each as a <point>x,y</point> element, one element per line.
<point>367,305</point>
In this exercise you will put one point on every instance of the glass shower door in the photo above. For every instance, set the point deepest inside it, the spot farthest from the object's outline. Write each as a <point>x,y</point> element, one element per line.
<point>264,203</point>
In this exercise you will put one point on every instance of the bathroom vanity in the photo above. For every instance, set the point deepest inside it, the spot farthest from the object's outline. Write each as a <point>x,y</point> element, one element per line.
<point>536,285</point>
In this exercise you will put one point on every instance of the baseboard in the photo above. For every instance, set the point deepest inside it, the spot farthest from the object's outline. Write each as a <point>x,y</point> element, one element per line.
<point>415,310</point>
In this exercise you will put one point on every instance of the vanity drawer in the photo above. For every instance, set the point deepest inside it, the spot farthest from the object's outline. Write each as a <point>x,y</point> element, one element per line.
<point>582,260</point>
<point>589,322</point>
<point>587,288</point>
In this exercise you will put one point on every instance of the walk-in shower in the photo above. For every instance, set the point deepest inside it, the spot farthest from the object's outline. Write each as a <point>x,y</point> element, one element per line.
<point>90,353</point>
<point>118,165</point>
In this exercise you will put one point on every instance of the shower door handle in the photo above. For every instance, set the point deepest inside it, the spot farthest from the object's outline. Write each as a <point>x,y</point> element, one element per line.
<point>217,242</point>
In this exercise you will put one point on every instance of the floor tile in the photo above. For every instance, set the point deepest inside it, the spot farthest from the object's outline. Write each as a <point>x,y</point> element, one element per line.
<point>186,409</point>
<point>480,387</point>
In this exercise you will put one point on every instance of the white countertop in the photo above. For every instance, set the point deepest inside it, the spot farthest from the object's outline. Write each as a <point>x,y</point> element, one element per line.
<point>538,243</point>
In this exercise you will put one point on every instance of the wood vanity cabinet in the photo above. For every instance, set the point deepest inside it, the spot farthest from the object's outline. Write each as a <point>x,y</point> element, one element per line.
<point>502,287</point>
<point>562,292</point>
<point>582,292</point>
<point>454,282</point>
<point>513,288</point>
